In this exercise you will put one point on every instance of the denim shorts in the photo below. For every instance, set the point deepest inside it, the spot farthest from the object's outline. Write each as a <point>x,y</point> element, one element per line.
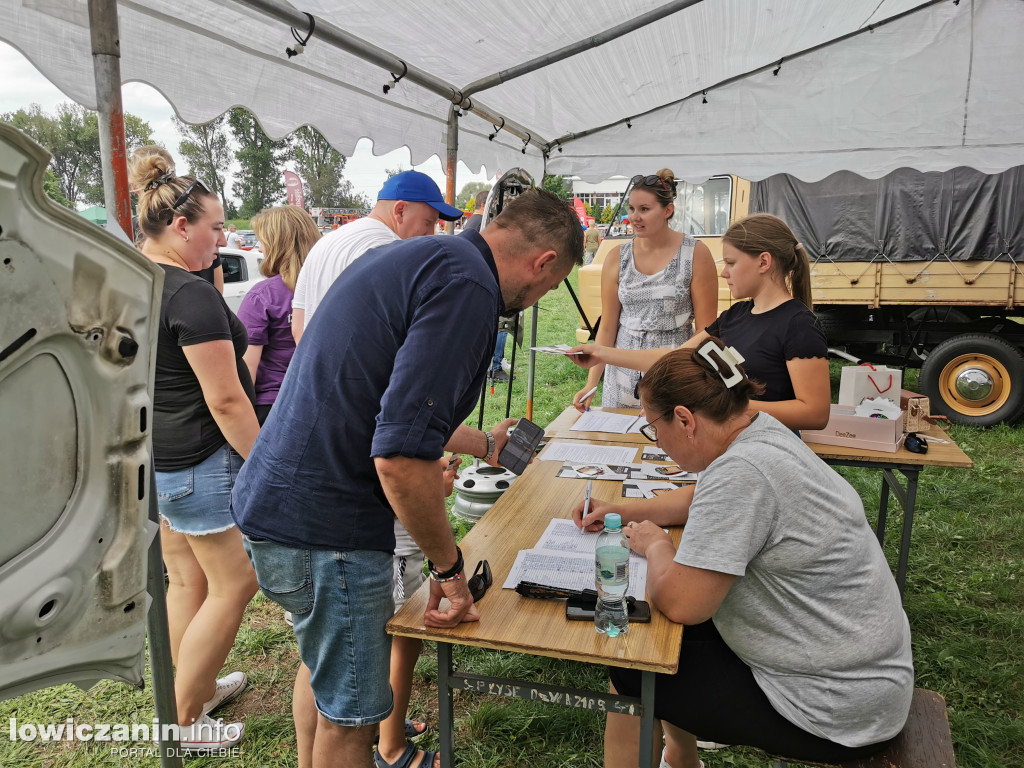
<point>197,501</point>
<point>340,603</point>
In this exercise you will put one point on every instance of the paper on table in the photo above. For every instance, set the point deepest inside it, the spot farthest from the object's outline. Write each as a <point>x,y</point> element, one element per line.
<point>587,453</point>
<point>646,489</point>
<point>635,429</point>
<point>565,558</point>
<point>654,453</point>
<point>597,471</point>
<point>601,421</point>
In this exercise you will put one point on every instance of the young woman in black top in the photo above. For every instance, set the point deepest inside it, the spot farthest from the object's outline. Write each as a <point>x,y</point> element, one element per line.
<point>776,331</point>
<point>204,425</point>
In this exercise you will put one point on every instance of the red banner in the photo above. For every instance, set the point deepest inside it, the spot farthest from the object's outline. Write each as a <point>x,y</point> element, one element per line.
<point>581,210</point>
<point>294,186</point>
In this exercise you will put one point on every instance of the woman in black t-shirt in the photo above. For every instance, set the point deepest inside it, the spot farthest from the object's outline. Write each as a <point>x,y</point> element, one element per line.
<point>204,425</point>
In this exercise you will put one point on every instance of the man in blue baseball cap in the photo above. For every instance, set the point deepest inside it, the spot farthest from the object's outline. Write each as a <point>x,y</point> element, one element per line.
<point>416,187</point>
<point>408,205</point>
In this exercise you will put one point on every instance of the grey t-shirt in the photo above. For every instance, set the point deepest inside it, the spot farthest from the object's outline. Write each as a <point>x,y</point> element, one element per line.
<point>815,611</point>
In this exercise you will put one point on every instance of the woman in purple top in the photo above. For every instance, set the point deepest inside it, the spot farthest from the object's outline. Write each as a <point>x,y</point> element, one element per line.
<point>286,234</point>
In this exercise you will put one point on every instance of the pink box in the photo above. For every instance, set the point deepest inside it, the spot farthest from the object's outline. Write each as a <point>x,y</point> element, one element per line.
<point>847,429</point>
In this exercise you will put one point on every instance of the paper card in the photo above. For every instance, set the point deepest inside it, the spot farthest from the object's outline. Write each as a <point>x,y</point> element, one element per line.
<point>646,489</point>
<point>596,471</point>
<point>557,349</point>
<point>654,453</point>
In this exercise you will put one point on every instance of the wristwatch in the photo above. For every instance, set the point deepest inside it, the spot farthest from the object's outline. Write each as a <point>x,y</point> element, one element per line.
<point>490,446</point>
<point>452,574</point>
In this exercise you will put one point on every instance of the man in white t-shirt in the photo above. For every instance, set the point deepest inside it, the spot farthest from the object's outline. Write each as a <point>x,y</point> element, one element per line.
<point>232,236</point>
<point>408,205</point>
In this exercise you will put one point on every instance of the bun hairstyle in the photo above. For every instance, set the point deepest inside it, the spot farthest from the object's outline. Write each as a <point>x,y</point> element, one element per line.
<point>286,233</point>
<point>699,380</point>
<point>666,194</point>
<point>151,175</point>
<point>763,232</point>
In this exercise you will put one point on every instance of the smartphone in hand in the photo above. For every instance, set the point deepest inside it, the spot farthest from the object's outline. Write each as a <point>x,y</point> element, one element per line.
<point>521,446</point>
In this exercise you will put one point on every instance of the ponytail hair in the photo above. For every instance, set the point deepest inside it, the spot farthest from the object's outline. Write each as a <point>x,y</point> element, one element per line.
<point>709,380</point>
<point>151,175</point>
<point>762,233</point>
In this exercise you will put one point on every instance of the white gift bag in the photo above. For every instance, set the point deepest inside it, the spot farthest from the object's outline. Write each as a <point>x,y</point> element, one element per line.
<point>866,380</point>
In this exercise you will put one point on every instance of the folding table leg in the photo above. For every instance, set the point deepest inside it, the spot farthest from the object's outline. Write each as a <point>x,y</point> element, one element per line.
<point>646,718</point>
<point>445,705</point>
<point>908,526</point>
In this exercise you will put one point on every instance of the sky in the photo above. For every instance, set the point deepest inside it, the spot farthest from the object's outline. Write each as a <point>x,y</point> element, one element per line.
<point>23,85</point>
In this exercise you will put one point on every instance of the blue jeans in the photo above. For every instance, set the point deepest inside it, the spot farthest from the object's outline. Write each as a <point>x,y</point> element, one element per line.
<point>499,350</point>
<point>197,500</point>
<point>340,603</point>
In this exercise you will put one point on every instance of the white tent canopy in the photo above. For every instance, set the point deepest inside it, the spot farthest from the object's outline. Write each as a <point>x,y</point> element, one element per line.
<point>864,85</point>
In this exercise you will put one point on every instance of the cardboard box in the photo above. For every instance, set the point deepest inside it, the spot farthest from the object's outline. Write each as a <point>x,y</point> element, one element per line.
<point>847,429</point>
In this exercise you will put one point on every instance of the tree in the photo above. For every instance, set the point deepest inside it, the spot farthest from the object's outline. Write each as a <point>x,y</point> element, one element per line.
<point>468,194</point>
<point>589,209</point>
<point>394,171</point>
<point>606,215</point>
<point>558,185</point>
<point>321,168</point>
<point>137,133</point>
<point>51,186</point>
<point>205,148</point>
<point>72,138</point>
<point>260,181</point>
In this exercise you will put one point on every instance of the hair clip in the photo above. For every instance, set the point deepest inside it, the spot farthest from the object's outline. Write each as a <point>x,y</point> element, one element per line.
<point>729,356</point>
<point>167,177</point>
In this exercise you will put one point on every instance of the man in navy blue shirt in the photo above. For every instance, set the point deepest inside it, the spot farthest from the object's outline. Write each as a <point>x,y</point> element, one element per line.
<point>392,363</point>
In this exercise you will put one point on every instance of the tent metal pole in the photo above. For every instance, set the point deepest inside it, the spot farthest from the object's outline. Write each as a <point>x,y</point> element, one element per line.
<point>533,363</point>
<point>451,160</point>
<point>106,58</point>
<point>389,62</point>
<point>580,46</point>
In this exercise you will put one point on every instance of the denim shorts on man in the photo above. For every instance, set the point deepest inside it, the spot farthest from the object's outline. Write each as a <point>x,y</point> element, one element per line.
<point>197,501</point>
<point>340,603</point>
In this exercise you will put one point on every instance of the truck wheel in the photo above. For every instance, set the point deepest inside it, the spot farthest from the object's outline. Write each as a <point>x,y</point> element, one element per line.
<point>975,379</point>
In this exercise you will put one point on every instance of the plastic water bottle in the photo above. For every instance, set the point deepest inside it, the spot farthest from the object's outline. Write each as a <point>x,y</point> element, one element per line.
<point>612,578</point>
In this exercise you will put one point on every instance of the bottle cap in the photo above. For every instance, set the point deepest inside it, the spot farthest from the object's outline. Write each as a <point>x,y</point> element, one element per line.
<point>613,520</point>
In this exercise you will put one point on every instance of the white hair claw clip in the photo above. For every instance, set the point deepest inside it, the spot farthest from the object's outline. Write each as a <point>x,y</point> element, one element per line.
<point>730,356</point>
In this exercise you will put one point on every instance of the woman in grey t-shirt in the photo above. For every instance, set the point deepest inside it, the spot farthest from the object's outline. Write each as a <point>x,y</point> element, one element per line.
<point>796,639</point>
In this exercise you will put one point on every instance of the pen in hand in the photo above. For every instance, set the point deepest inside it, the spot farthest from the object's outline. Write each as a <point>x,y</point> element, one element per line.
<point>586,502</point>
<point>589,394</point>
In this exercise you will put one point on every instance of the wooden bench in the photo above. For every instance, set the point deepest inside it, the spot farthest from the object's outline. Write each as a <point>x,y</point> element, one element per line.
<point>924,742</point>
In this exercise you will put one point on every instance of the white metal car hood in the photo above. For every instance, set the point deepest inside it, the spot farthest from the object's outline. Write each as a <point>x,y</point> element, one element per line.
<point>78,325</point>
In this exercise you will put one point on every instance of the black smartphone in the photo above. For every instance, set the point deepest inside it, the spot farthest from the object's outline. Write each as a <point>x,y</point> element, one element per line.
<point>521,446</point>
<point>583,610</point>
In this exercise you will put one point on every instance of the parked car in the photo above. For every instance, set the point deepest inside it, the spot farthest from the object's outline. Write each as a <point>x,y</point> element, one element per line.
<point>247,240</point>
<point>241,272</point>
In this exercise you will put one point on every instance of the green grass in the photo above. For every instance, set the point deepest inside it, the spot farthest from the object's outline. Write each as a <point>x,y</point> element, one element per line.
<point>964,598</point>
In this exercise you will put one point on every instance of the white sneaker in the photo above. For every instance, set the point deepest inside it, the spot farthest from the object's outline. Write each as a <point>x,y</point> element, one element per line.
<point>664,762</point>
<point>711,746</point>
<point>506,366</point>
<point>207,734</point>
<point>228,688</point>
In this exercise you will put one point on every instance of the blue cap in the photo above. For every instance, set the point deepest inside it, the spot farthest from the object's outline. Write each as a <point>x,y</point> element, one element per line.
<point>613,521</point>
<point>416,187</point>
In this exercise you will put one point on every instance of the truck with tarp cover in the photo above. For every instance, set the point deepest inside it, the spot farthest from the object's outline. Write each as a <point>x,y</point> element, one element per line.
<point>921,270</point>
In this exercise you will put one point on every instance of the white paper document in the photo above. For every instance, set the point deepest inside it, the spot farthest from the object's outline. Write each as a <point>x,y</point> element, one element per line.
<point>557,349</point>
<point>587,453</point>
<point>564,557</point>
<point>600,421</point>
<point>646,489</point>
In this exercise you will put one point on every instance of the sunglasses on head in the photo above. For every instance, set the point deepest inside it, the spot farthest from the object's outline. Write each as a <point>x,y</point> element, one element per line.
<point>480,580</point>
<point>648,181</point>
<point>180,201</point>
